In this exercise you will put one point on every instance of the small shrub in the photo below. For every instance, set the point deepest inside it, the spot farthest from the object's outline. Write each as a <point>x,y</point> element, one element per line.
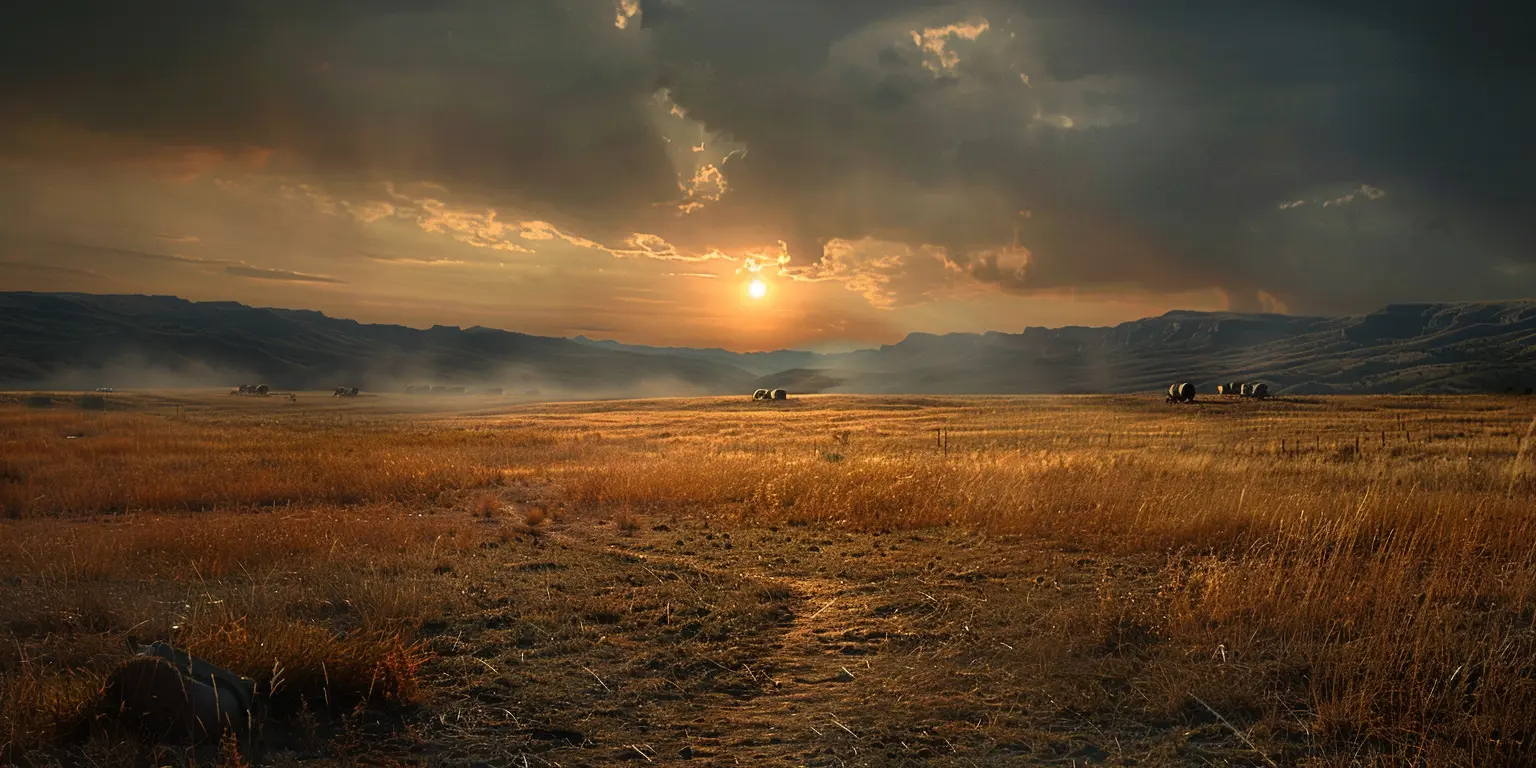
<point>229,752</point>
<point>534,516</point>
<point>487,506</point>
<point>39,706</point>
<point>398,674</point>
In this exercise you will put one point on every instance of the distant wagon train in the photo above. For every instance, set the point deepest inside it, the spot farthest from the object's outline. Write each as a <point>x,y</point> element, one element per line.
<point>1255,389</point>
<point>260,390</point>
<point>770,394</point>
<point>1182,392</point>
<point>761,394</point>
<point>345,392</point>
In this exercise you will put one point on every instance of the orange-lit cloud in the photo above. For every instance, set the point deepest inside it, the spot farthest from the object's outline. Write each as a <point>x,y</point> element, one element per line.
<point>886,274</point>
<point>414,261</point>
<point>934,42</point>
<point>480,229</point>
<point>287,275</point>
<point>627,11</point>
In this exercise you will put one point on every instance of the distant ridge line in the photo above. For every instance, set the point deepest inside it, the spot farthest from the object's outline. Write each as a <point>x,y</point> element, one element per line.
<point>77,339</point>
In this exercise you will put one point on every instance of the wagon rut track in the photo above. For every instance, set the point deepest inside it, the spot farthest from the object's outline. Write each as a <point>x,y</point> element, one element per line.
<point>764,646</point>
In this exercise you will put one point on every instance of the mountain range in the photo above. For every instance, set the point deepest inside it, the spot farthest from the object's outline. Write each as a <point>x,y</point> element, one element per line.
<point>58,340</point>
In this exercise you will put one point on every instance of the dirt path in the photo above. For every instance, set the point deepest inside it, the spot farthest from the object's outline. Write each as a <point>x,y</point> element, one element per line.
<point>806,671</point>
<point>685,645</point>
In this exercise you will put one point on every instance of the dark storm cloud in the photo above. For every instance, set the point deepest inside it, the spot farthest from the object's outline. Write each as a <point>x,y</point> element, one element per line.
<point>1153,145</point>
<point>1189,124</point>
<point>538,101</point>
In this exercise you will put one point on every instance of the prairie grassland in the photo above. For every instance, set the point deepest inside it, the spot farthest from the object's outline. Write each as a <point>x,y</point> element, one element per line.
<point>1361,571</point>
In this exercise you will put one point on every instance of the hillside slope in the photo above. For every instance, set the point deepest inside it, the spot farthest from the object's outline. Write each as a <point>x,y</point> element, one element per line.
<point>1406,348</point>
<point>79,340</point>
<point>1419,348</point>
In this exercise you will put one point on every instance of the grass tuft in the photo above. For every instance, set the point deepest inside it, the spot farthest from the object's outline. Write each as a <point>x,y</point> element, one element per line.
<point>535,516</point>
<point>487,506</point>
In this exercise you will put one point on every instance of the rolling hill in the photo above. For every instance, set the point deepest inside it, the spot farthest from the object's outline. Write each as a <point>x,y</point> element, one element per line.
<point>83,341</point>
<point>1405,348</point>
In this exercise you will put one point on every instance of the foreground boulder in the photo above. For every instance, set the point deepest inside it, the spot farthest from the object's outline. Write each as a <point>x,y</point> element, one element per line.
<point>165,695</point>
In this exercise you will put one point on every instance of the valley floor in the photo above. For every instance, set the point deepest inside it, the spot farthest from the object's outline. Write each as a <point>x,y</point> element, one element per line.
<point>833,581</point>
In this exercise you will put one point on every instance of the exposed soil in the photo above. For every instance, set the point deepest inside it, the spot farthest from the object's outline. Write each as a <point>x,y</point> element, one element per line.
<point>679,642</point>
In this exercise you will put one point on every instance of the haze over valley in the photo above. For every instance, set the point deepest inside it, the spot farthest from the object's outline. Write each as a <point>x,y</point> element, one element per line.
<point>85,341</point>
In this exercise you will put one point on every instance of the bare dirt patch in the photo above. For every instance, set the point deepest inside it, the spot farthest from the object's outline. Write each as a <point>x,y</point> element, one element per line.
<point>792,645</point>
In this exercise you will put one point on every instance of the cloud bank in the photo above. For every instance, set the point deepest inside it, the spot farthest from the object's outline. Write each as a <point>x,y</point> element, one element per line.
<point>1299,154</point>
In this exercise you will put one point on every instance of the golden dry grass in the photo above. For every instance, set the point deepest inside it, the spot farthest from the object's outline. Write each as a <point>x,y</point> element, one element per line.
<point>1369,564</point>
<point>318,605</point>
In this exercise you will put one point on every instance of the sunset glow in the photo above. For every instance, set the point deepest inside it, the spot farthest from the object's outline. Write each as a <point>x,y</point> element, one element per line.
<point>934,167</point>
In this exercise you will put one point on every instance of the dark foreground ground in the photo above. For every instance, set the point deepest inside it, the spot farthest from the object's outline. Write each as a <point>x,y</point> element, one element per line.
<point>680,643</point>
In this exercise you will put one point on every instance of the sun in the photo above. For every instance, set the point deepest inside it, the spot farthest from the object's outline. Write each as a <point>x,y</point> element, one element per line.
<point>757,289</point>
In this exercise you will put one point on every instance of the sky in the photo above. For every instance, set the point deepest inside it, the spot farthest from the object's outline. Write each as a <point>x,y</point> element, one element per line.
<point>627,169</point>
